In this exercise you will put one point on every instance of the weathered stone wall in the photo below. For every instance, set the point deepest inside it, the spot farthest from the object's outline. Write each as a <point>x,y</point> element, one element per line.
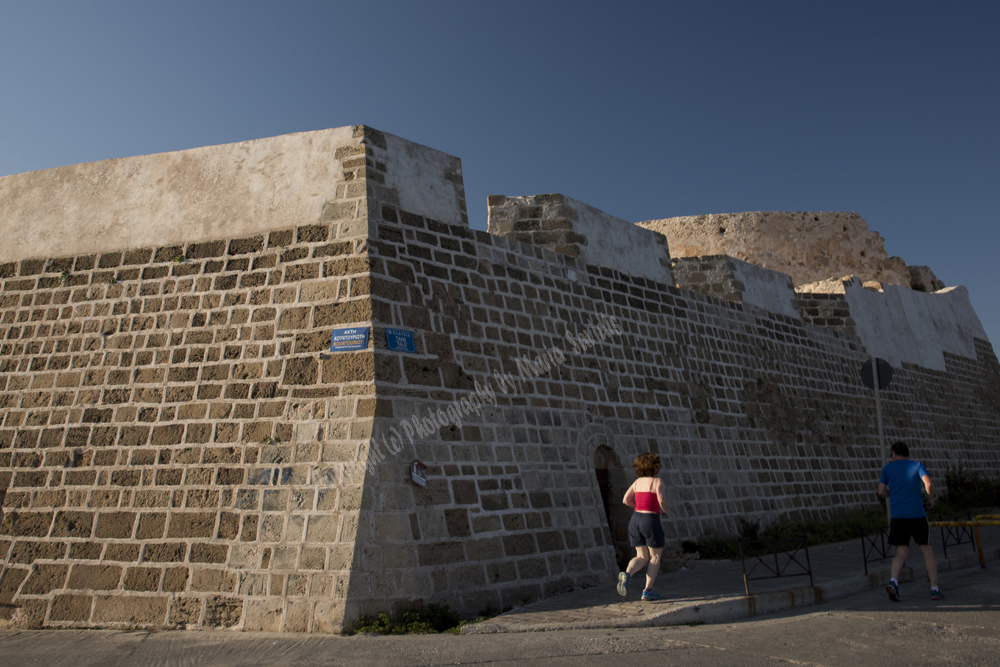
<point>827,310</point>
<point>808,246</point>
<point>180,449</point>
<point>758,414</point>
<point>708,274</point>
<point>200,194</point>
<point>570,227</point>
<point>176,448</point>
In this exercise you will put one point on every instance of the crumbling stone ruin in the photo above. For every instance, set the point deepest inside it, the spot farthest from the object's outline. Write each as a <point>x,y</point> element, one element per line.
<point>814,248</point>
<point>181,447</point>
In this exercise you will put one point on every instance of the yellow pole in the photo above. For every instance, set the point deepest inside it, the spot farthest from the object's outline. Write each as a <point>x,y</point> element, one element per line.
<point>981,520</point>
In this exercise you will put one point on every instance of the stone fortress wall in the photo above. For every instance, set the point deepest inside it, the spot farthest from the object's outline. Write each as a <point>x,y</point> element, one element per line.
<point>180,448</point>
<point>811,247</point>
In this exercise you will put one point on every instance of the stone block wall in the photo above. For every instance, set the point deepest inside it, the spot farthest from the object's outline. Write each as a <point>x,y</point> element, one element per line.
<point>708,274</point>
<point>542,220</point>
<point>757,414</point>
<point>175,445</point>
<point>826,310</point>
<point>180,448</point>
<point>570,227</point>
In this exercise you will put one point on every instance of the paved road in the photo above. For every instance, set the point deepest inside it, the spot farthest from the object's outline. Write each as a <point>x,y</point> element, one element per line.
<point>864,629</point>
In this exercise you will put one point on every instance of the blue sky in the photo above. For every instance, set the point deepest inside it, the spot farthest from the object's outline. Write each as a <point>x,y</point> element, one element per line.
<point>644,110</point>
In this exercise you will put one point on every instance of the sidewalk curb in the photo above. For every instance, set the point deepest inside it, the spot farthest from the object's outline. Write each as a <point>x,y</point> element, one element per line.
<point>741,607</point>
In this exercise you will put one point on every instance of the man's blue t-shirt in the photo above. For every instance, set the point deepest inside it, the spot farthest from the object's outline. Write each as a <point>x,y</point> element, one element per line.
<point>905,487</point>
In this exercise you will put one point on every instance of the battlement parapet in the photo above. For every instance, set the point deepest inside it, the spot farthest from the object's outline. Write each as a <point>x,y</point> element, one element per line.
<point>569,227</point>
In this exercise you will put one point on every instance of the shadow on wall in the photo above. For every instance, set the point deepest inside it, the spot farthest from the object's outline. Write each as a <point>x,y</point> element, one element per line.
<point>613,483</point>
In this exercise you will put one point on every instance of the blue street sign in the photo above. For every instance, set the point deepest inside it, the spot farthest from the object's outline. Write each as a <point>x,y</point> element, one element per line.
<point>345,340</point>
<point>400,340</point>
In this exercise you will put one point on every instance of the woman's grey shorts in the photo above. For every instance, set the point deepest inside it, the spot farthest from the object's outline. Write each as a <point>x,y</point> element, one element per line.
<point>645,530</point>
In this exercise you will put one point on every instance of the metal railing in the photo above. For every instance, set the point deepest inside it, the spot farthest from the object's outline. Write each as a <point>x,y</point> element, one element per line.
<point>961,533</point>
<point>875,541</point>
<point>981,520</point>
<point>780,568</point>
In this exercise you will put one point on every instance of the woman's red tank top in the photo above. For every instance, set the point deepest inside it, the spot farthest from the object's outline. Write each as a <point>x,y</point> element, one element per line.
<point>646,501</point>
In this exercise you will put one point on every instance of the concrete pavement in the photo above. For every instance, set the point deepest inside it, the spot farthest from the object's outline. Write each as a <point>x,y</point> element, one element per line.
<point>862,630</point>
<point>713,591</point>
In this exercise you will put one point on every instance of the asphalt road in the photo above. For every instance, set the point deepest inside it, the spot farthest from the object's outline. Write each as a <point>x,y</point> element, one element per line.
<point>865,629</point>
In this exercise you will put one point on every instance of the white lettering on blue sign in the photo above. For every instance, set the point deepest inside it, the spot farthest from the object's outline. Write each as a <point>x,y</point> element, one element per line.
<point>400,340</point>
<point>345,340</point>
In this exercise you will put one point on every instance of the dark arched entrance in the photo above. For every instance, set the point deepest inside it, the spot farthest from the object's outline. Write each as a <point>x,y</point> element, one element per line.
<point>613,483</point>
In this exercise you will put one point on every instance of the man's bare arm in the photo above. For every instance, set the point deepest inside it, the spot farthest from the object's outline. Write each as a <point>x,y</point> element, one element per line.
<point>883,490</point>
<point>929,485</point>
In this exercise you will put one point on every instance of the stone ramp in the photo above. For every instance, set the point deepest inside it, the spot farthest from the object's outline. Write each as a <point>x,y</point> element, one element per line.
<point>713,592</point>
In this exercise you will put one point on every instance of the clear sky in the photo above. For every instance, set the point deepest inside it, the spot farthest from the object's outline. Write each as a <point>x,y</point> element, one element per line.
<point>644,110</point>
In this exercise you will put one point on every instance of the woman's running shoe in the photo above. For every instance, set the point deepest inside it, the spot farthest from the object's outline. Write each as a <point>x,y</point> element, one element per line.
<point>623,578</point>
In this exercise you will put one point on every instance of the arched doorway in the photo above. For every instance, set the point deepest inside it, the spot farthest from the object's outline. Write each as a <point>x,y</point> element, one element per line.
<point>612,483</point>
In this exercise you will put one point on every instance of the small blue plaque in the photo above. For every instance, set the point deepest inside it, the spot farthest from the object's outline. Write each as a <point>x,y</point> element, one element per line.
<point>400,340</point>
<point>345,340</point>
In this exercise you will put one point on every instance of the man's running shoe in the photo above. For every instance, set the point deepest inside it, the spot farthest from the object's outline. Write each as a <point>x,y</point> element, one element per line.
<point>893,591</point>
<point>936,594</point>
<point>623,578</point>
<point>650,594</point>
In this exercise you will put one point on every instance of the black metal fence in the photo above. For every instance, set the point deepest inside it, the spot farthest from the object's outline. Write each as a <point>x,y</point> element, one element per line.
<point>875,541</point>
<point>775,558</point>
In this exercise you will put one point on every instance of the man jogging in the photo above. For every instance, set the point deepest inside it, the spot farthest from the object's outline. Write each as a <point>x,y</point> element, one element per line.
<point>905,479</point>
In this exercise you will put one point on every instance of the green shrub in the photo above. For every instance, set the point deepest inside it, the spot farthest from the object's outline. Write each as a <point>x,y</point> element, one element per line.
<point>749,530</point>
<point>839,527</point>
<point>971,490</point>
<point>461,624</point>
<point>719,548</point>
<point>843,526</point>
<point>426,620</point>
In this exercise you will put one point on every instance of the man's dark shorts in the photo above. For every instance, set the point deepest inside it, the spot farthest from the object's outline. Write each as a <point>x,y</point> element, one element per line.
<point>901,530</point>
<point>645,530</point>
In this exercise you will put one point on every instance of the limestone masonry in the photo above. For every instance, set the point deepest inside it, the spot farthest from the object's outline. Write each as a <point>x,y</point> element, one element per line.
<point>179,447</point>
<point>811,248</point>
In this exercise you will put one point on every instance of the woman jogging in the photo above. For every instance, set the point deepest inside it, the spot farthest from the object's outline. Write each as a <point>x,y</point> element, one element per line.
<point>645,532</point>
